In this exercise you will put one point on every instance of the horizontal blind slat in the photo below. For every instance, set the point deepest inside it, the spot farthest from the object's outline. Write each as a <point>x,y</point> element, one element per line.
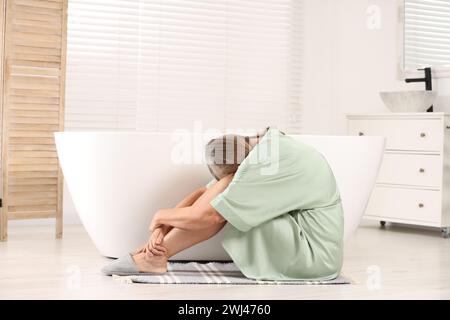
<point>152,65</point>
<point>427,33</point>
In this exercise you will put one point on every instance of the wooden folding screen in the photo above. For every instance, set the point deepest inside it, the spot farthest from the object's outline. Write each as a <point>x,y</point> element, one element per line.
<point>33,44</point>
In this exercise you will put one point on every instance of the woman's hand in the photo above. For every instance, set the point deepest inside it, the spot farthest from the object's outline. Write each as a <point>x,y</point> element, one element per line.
<point>158,231</point>
<point>157,236</point>
<point>154,245</point>
<point>156,222</point>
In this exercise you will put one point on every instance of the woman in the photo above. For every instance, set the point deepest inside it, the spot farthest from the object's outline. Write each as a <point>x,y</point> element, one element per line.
<point>279,201</point>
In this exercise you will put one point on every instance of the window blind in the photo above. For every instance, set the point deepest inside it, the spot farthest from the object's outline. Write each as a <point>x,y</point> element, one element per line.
<point>427,33</point>
<point>163,65</point>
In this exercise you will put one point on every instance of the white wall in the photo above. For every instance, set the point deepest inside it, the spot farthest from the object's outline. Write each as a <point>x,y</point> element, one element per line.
<point>346,65</point>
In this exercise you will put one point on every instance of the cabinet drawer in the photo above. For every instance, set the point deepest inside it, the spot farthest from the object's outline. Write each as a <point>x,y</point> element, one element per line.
<point>411,169</point>
<point>402,134</point>
<point>405,204</point>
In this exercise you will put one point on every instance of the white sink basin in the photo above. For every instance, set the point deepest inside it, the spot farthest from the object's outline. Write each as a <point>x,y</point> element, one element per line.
<point>409,101</point>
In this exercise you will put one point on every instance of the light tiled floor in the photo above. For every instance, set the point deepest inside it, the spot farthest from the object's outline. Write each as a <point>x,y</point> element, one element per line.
<point>396,262</point>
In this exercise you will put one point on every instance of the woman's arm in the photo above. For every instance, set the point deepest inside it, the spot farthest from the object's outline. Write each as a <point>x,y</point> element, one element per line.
<point>154,243</point>
<point>190,199</point>
<point>199,215</point>
<point>186,202</point>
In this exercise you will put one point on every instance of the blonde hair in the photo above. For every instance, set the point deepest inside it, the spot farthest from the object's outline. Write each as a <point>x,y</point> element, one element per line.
<point>224,155</point>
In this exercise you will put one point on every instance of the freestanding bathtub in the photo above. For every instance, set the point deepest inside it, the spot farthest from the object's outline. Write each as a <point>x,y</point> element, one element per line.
<point>118,180</point>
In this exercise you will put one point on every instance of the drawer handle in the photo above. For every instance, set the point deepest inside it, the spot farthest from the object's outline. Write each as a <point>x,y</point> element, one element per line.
<point>360,133</point>
<point>421,170</point>
<point>421,205</point>
<point>423,135</point>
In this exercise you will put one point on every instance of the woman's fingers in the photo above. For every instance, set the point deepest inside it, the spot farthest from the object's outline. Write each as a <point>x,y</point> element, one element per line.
<point>154,247</point>
<point>159,237</point>
<point>161,248</point>
<point>148,249</point>
<point>154,236</point>
<point>158,251</point>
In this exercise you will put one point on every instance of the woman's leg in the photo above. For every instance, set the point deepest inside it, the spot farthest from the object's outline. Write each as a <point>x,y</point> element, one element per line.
<point>177,240</point>
<point>186,202</point>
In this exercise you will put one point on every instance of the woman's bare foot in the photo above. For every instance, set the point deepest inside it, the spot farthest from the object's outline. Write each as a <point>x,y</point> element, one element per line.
<point>147,263</point>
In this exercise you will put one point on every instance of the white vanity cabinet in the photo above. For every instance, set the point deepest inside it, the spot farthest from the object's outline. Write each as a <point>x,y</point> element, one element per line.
<point>413,185</point>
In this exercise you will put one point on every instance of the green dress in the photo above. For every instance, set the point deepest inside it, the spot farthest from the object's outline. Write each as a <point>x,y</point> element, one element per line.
<point>284,213</point>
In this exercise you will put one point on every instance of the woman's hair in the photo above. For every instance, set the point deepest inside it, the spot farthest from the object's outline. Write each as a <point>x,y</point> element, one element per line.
<point>224,155</point>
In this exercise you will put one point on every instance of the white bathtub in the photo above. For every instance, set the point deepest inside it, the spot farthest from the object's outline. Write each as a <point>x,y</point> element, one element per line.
<point>118,180</point>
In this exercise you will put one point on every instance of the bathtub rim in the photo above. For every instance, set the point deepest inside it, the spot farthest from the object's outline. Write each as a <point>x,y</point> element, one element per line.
<point>339,136</point>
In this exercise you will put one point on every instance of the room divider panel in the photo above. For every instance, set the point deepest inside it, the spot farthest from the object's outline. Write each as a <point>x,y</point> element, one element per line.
<point>33,51</point>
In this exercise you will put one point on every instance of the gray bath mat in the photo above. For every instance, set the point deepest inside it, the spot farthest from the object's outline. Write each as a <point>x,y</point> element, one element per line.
<point>213,273</point>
